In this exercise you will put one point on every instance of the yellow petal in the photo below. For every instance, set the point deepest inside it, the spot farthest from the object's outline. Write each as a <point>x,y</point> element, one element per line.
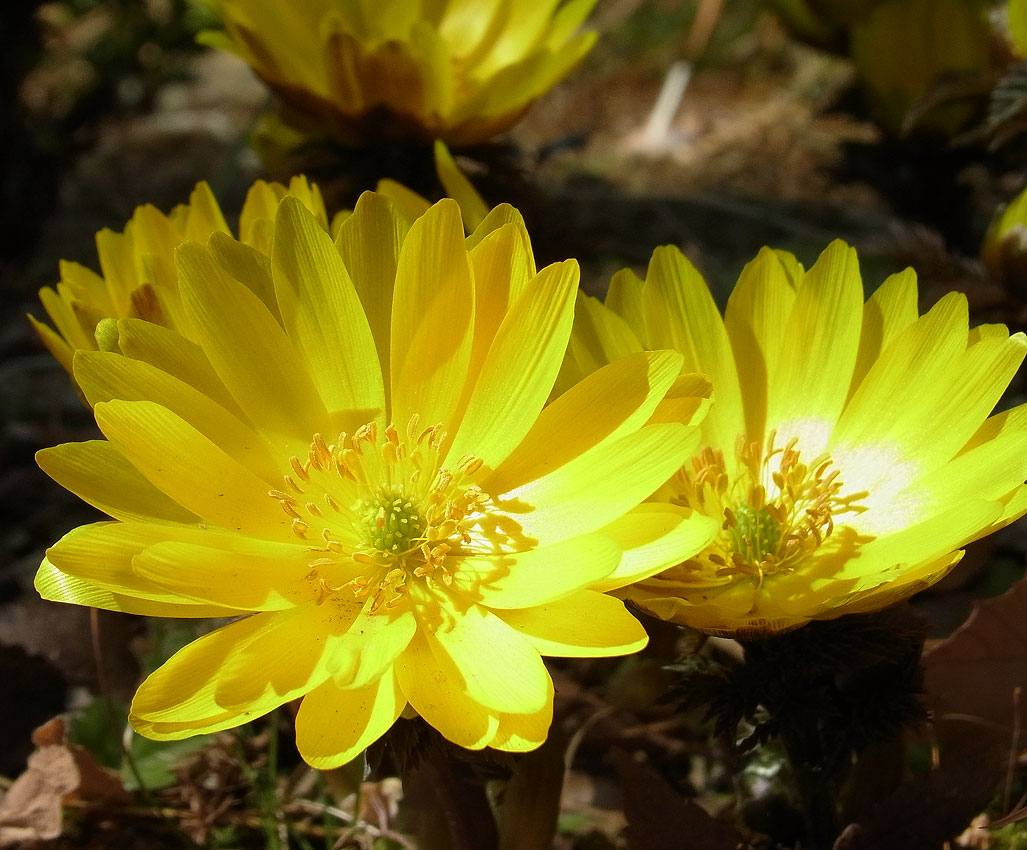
<point>181,691</point>
<point>603,407</point>
<point>432,318</point>
<point>370,645</point>
<point>341,53</point>
<point>680,313</point>
<point>503,266</point>
<point>756,320</point>
<point>408,203</point>
<point>807,391</point>
<point>519,369</point>
<point>324,317</point>
<point>99,474</point>
<point>687,401</point>
<point>568,18</point>
<point>260,205</point>
<point>906,380</point>
<point>989,470</point>
<point>247,265</point>
<point>172,353</point>
<point>266,578</point>
<point>653,537</point>
<point>464,23</point>
<point>249,350</point>
<point>57,586</point>
<point>435,689</point>
<point>104,376</point>
<point>369,243</point>
<point>519,733</point>
<point>101,553</point>
<point>473,208</point>
<point>164,730</point>
<point>598,486</point>
<point>205,216</point>
<point>500,669</point>
<point>54,343</point>
<point>600,337</point>
<point>530,578</point>
<point>584,625</point>
<point>889,311</point>
<point>62,314</point>
<point>335,725</point>
<point>625,298</point>
<point>288,658</point>
<point>899,587</point>
<point>500,215</point>
<point>891,554</point>
<point>191,469</point>
<point>982,374</point>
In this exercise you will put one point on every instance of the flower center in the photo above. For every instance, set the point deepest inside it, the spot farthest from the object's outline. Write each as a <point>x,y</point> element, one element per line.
<point>754,534</point>
<point>388,512</point>
<point>389,521</point>
<point>777,510</point>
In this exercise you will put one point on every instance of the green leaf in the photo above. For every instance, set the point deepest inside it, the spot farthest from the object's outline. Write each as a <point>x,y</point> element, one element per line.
<point>155,761</point>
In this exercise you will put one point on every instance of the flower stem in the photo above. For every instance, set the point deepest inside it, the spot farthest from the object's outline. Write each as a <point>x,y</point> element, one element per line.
<point>816,791</point>
<point>464,803</point>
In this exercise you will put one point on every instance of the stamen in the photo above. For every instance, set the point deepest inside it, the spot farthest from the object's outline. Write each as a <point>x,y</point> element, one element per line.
<point>776,510</point>
<point>398,513</point>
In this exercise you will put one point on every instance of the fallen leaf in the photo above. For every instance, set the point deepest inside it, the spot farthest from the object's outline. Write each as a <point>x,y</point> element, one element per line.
<point>976,681</point>
<point>923,813</point>
<point>660,818</point>
<point>32,807</point>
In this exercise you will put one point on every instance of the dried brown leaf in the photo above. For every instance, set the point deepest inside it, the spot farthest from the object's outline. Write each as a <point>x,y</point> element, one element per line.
<point>660,818</point>
<point>32,807</point>
<point>972,680</point>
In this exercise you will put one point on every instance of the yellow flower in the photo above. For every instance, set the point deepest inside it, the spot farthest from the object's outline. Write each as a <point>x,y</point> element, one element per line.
<point>358,455</point>
<point>923,65</point>
<point>907,50</point>
<point>457,70</point>
<point>847,453</point>
<point>138,266</point>
<point>1005,245</point>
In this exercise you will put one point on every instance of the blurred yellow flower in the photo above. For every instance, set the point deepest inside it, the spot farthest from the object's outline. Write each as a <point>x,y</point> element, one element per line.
<point>847,453</point>
<point>1004,250</point>
<point>908,53</point>
<point>923,65</point>
<point>457,70</point>
<point>357,454</point>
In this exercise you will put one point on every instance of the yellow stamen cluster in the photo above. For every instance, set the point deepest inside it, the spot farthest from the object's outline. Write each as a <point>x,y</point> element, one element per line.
<point>398,512</point>
<point>777,510</point>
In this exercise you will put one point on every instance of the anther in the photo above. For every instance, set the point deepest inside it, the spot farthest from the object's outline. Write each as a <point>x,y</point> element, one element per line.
<point>299,469</point>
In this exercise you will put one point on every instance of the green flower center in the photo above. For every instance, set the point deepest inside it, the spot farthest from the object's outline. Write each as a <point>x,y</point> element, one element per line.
<point>389,521</point>
<point>754,533</point>
<point>381,512</point>
<point>777,509</point>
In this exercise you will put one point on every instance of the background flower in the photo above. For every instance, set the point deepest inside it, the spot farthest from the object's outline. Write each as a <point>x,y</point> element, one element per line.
<point>138,277</point>
<point>847,454</point>
<point>456,70</point>
<point>354,448</point>
<point>137,266</point>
